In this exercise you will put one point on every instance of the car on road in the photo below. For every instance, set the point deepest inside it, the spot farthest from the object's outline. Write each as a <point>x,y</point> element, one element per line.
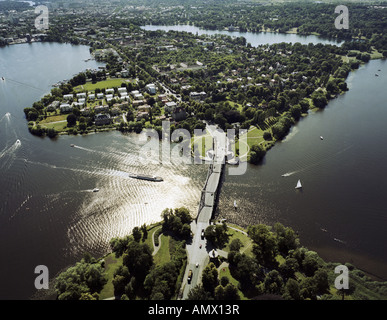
<point>197,264</point>
<point>189,276</point>
<point>202,234</point>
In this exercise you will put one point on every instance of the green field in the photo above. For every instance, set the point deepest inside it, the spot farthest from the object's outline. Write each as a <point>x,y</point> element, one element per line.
<point>105,84</point>
<point>111,265</point>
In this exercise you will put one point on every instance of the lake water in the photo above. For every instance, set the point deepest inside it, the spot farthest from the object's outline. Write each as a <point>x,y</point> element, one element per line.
<point>255,39</point>
<point>48,212</point>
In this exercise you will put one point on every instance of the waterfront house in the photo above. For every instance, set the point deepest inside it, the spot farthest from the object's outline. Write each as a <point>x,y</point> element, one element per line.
<point>53,106</point>
<point>68,97</point>
<point>102,119</point>
<point>101,109</point>
<point>65,108</point>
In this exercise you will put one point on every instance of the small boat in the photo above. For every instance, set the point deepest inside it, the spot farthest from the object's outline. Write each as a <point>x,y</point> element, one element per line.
<point>376,75</point>
<point>95,190</point>
<point>321,137</point>
<point>17,141</point>
<point>298,186</point>
<point>72,145</point>
<point>2,78</point>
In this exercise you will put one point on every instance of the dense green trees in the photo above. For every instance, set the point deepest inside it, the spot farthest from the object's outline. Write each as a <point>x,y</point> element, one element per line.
<point>85,279</point>
<point>266,273</point>
<point>217,234</point>
<point>177,221</point>
<point>257,153</point>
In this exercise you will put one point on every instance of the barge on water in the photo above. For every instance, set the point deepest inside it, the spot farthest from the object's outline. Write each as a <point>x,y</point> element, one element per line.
<point>145,177</point>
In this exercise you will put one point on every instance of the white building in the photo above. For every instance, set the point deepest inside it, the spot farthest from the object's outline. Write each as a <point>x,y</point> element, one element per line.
<point>65,107</point>
<point>151,88</point>
<point>68,97</point>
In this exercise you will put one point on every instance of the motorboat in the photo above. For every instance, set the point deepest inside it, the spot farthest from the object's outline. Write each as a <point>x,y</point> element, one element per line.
<point>95,190</point>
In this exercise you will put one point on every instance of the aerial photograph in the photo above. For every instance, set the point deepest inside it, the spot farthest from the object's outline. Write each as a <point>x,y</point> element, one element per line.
<point>212,151</point>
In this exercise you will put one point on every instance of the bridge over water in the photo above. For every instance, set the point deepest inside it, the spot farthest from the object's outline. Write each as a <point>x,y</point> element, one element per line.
<point>198,249</point>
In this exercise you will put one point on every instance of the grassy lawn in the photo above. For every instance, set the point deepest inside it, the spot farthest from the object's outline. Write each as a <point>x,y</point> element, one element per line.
<point>225,272</point>
<point>246,241</point>
<point>151,230</point>
<point>54,118</point>
<point>105,84</point>
<point>58,126</point>
<point>111,264</point>
<point>162,256</point>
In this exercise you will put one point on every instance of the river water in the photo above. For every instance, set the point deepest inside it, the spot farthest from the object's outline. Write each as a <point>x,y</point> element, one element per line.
<point>49,214</point>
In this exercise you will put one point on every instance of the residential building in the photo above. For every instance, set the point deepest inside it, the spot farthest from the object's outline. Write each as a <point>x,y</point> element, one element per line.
<point>65,108</point>
<point>151,88</point>
<point>102,119</point>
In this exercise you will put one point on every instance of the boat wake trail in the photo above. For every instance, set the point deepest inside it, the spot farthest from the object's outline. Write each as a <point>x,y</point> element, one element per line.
<point>7,116</point>
<point>9,153</point>
<point>84,149</point>
<point>288,174</point>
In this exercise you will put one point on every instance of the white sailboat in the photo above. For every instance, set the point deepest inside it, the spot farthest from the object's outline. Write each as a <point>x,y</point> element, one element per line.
<point>298,186</point>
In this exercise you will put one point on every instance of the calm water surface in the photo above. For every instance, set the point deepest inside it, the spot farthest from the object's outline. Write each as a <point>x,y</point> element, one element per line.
<point>255,39</point>
<point>48,212</point>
